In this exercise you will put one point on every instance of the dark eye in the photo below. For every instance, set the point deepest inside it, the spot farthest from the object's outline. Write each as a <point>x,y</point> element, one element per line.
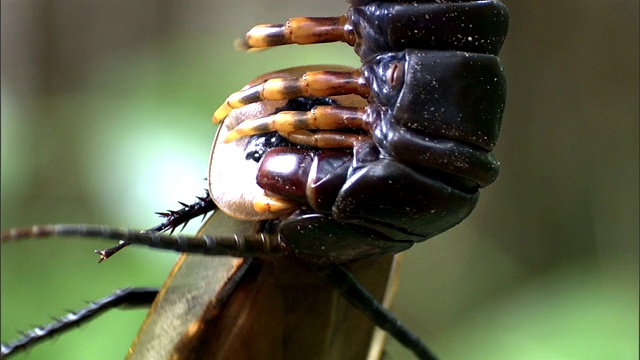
<point>395,75</point>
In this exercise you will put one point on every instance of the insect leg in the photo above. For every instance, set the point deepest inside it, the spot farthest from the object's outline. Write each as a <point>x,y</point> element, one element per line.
<point>123,298</point>
<point>374,27</point>
<point>173,219</point>
<point>299,30</point>
<point>318,118</point>
<point>326,139</point>
<point>361,299</point>
<point>309,84</point>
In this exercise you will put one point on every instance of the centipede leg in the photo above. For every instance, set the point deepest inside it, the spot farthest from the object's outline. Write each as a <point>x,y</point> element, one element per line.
<point>299,30</point>
<point>309,84</point>
<point>318,118</point>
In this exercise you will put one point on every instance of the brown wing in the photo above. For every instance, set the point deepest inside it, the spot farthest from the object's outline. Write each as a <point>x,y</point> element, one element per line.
<point>278,309</point>
<point>281,310</point>
<point>225,308</point>
<point>193,282</point>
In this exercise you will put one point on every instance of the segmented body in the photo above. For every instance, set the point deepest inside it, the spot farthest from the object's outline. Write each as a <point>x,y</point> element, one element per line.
<point>432,119</point>
<point>416,155</point>
<point>408,166</point>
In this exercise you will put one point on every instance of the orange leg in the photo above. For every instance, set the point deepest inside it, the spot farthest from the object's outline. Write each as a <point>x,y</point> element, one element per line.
<point>324,139</point>
<point>299,30</point>
<point>318,118</point>
<point>310,84</point>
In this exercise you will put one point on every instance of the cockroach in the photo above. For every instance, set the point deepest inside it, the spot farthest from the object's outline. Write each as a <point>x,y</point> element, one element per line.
<point>267,300</point>
<point>296,297</point>
<point>403,167</point>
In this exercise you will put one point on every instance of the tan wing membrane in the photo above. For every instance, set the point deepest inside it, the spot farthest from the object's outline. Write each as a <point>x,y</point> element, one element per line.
<point>299,30</point>
<point>309,84</point>
<point>319,118</point>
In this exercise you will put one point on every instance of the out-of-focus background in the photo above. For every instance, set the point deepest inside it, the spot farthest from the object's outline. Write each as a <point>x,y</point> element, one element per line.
<point>106,111</point>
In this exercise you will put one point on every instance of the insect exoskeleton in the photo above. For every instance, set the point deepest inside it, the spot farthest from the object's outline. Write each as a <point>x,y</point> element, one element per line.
<point>345,164</point>
<point>374,27</point>
<point>413,158</point>
<point>413,161</point>
<point>234,165</point>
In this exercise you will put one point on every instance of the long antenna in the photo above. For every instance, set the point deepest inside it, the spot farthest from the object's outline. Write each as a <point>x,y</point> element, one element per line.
<point>260,244</point>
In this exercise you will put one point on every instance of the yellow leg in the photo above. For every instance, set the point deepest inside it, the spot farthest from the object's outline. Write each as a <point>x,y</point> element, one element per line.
<point>319,118</point>
<point>300,30</point>
<point>310,84</point>
<point>324,139</point>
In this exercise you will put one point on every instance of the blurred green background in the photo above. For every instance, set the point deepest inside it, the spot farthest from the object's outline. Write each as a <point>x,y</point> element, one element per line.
<point>106,111</point>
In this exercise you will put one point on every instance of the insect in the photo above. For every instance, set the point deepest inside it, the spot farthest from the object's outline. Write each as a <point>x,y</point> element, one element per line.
<point>435,89</point>
<point>302,295</point>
